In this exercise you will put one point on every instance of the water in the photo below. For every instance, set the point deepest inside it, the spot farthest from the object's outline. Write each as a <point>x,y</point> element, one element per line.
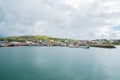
<point>59,63</point>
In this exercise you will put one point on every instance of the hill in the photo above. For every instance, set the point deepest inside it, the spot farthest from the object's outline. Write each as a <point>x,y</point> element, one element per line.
<point>35,38</point>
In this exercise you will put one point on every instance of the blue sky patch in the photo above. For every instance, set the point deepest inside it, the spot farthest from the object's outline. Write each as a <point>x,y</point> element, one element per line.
<point>116,28</point>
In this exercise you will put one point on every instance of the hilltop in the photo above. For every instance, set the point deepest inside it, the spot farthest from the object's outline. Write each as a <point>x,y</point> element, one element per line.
<point>32,38</point>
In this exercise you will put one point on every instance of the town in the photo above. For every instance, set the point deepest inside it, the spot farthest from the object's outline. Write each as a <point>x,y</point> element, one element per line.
<point>50,41</point>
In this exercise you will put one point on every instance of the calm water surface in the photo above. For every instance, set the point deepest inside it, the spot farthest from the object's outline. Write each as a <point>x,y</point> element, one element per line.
<point>59,63</point>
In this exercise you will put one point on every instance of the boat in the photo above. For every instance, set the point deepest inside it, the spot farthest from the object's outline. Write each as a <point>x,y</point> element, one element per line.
<point>71,46</point>
<point>85,47</point>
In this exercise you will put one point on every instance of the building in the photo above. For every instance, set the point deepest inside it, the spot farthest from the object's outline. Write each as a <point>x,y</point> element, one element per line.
<point>116,41</point>
<point>2,42</point>
<point>99,41</point>
<point>29,43</point>
<point>15,43</point>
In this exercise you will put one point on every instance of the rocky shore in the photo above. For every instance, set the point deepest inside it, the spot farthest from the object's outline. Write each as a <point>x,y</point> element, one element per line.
<point>49,45</point>
<point>103,46</point>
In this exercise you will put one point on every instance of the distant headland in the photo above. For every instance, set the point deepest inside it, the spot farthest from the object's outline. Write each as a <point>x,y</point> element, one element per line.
<point>39,40</point>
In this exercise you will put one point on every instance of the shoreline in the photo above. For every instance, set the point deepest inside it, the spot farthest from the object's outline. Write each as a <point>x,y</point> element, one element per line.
<point>103,46</point>
<point>98,46</point>
<point>39,40</point>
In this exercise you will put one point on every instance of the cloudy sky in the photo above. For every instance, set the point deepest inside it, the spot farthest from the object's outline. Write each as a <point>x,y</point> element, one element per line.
<point>77,19</point>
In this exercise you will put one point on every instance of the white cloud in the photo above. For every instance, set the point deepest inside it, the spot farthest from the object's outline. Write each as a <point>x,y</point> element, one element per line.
<point>78,19</point>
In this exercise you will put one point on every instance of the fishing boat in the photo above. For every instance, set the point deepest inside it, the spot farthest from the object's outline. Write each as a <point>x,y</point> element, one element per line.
<point>71,46</point>
<point>85,47</point>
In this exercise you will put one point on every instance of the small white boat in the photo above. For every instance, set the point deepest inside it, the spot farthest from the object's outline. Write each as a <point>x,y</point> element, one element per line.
<point>85,47</point>
<point>71,46</point>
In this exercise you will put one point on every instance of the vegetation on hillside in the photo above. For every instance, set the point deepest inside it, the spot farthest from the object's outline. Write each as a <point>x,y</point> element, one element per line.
<point>33,38</point>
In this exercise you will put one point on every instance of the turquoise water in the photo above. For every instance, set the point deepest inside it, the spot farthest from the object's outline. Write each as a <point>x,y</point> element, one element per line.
<point>59,63</point>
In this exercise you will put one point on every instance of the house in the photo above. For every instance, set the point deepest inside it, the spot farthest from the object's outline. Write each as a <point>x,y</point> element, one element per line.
<point>117,41</point>
<point>83,42</point>
<point>29,43</point>
<point>2,42</point>
<point>99,41</point>
<point>41,43</point>
<point>15,43</point>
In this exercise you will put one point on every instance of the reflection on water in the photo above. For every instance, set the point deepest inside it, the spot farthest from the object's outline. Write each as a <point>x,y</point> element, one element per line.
<point>56,63</point>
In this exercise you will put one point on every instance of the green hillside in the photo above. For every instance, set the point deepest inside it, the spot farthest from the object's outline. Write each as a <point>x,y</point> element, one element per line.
<point>33,38</point>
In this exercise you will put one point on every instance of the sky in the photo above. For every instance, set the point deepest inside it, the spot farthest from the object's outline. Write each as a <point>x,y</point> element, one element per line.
<point>76,19</point>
